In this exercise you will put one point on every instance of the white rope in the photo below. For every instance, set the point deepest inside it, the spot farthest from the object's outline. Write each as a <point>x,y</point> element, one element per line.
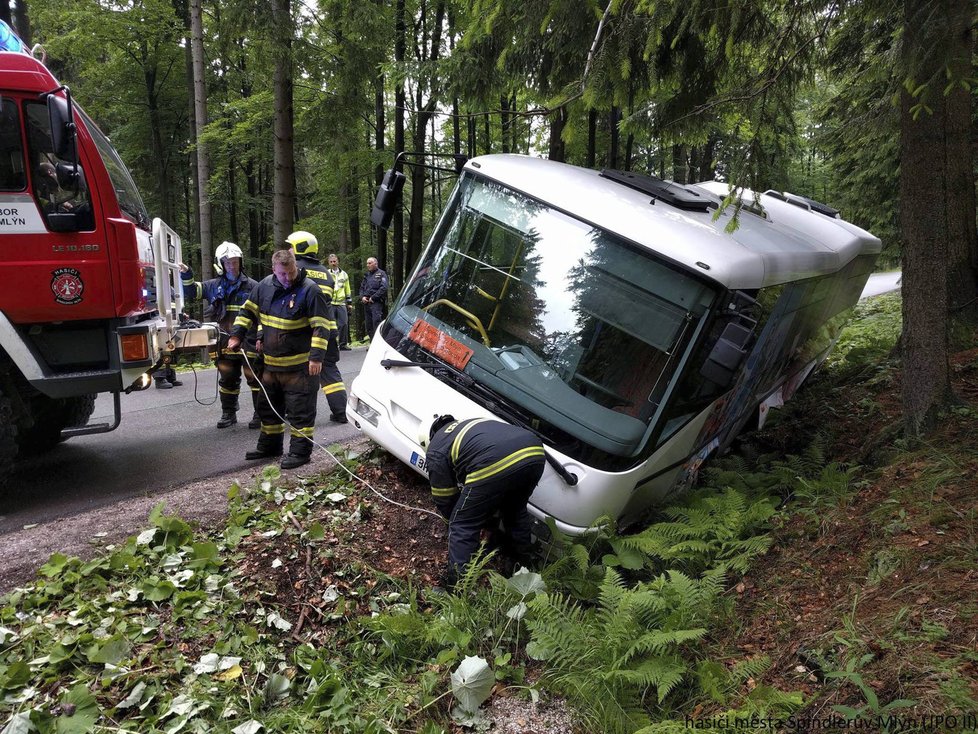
<point>339,463</point>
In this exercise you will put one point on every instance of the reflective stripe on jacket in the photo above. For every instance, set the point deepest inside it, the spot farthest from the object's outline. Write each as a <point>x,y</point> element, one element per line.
<point>294,321</point>
<point>477,450</point>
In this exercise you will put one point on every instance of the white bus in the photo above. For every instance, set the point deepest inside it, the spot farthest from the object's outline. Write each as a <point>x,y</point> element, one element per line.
<point>612,314</point>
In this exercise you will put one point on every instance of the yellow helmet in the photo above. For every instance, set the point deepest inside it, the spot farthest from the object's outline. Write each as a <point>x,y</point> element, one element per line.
<point>304,243</point>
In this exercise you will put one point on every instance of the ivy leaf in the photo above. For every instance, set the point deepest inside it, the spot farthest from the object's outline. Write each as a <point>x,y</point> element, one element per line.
<point>81,711</point>
<point>315,532</point>
<point>19,724</point>
<point>276,687</point>
<point>472,682</point>
<point>134,697</point>
<point>16,676</point>
<point>525,582</point>
<point>249,727</point>
<point>538,651</point>
<point>111,652</point>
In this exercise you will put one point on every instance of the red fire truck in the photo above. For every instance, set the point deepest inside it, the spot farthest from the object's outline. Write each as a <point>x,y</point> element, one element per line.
<point>89,285</point>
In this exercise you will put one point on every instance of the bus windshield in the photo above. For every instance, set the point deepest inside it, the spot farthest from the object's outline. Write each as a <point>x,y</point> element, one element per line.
<point>578,329</point>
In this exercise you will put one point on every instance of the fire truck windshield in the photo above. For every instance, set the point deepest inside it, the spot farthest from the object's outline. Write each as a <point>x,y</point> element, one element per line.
<point>572,325</point>
<point>130,202</point>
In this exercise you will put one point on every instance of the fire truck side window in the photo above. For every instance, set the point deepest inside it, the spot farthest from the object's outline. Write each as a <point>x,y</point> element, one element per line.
<point>54,190</point>
<point>12,176</point>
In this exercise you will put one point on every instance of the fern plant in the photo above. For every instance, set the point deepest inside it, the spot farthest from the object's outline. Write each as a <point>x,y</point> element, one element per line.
<point>605,659</point>
<point>722,531</point>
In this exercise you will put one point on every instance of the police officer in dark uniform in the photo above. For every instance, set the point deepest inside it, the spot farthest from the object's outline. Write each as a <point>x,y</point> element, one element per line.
<point>306,247</point>
<point>373,296</point>
<point>226,294</point>
<point>295,331</point>
<point>497,466</point>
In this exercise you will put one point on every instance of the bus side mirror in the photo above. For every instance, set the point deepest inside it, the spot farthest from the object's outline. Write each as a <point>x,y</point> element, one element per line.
<point>727,355</point>
<point>386,202</point>
<point>63,130</point>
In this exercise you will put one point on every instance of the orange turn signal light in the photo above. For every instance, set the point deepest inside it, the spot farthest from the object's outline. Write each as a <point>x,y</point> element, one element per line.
<point>135,347</point>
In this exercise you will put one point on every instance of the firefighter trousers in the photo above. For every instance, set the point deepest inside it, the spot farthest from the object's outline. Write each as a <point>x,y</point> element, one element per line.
<point>477,505</point>
<point>231,367</point>
<point>292,395</point>
<point>331,381</point>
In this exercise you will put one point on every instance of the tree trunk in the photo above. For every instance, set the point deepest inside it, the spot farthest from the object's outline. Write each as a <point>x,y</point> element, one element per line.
<point>592,132</point>
<point>283,195</point>
<point>156,136</point>
<point>962,255</point>
<point>254,219</point>
<point>558,120</point>
<point>613,117</point>
<point>505,122</point>
<point>400,102</point>
<point>380,114</point>
<point>200,121</point>
<point>5,15</point>
<point>680,169</point>
<point>233,206</point>
<point>925,226</point>
<point>22,22</point>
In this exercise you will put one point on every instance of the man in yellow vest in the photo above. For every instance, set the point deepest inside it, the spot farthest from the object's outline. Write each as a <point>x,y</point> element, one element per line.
<point>342,301</point>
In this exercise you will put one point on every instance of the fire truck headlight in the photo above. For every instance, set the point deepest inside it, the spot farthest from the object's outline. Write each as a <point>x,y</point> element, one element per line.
<point>365,411</point>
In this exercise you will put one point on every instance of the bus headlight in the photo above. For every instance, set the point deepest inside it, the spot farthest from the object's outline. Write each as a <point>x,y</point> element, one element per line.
<point>365,411</point>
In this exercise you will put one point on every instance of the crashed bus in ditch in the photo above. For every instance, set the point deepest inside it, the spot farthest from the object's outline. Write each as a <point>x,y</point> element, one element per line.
<point>614,315</point>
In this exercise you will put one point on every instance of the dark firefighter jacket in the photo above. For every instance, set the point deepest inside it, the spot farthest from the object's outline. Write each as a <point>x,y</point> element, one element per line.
<point>294,323</point>
<point>476,450</point>
<point>318,274</point>
<point>225,296</point>
<point>374,286</point>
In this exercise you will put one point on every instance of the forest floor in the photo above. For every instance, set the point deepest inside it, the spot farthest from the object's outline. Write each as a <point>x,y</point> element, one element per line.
<point>868,598</point>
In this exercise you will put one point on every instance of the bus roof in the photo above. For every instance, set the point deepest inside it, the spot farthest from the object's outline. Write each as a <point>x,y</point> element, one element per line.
<point>789,243</point>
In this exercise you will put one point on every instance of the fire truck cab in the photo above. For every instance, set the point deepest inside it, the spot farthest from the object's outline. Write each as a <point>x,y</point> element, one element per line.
<point>89,285</point>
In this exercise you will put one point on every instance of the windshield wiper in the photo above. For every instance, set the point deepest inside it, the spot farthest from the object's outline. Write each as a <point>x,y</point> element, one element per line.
<point>494,402</point>
<point>436,369</point>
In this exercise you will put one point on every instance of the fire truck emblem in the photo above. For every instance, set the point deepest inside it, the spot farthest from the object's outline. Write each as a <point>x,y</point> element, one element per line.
<point>67,286</point>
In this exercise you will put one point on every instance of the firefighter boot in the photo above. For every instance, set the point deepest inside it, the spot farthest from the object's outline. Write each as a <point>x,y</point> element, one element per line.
<point>294,461</point>
<point>255,421</point>
<point>229,410</point>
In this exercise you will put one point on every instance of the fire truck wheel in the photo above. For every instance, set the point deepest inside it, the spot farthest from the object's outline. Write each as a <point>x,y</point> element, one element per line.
<point>77,411</point>
<point>8,439</point>
<point>49,416</point>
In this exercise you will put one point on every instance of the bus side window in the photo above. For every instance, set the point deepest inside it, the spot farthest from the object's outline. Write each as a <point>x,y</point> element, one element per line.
<point>12,176</point>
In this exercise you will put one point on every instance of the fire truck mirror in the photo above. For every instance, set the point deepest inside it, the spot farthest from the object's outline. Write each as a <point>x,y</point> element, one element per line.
<point>62,129</point>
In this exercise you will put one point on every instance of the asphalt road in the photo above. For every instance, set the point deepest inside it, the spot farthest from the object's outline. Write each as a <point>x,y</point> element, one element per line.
<point>166,439</point>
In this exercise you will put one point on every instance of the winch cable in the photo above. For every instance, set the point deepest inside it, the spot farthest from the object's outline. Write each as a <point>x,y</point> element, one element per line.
<point>339,463</point>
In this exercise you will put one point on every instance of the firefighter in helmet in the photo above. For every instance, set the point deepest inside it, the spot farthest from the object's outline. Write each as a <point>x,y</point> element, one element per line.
<point>293,314</point>
<point>306,249</point>
<point>477,468</point>
<point>226,294</point>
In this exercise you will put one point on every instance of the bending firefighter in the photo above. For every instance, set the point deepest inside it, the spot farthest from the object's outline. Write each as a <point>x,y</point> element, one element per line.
<point>306,248</point>
<point>295,330</point>
<point>226,294</point>
<point>497,466</point>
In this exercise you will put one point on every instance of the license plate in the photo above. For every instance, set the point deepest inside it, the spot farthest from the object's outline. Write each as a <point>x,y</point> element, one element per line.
<point>418,461</point>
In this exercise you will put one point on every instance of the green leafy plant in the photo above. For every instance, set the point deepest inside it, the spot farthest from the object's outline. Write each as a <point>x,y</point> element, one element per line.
<point>606,658</point>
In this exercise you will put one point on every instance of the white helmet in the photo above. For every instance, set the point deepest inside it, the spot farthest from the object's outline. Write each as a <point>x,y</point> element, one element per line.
<point>428,428</point>
<point>224,251</point>
<point>304,243</point>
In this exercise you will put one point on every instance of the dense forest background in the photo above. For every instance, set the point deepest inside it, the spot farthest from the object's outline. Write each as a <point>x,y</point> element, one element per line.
<point>300,105</point>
